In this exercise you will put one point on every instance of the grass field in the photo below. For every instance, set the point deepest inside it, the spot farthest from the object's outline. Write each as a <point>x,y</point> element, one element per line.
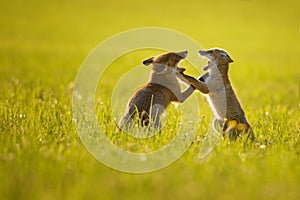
<point>42,45</point>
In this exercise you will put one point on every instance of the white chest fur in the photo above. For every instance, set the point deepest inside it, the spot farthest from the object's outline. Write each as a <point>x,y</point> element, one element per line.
<point>217,94</point>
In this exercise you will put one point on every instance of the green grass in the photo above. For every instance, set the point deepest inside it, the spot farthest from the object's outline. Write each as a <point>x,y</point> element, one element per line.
<point>42,45</point>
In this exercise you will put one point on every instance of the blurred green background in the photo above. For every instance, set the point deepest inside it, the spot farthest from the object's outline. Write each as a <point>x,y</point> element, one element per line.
<point>42,45</point>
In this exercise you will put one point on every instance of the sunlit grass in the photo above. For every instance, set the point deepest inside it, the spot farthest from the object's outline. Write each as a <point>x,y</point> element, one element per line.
<point>42,45</point>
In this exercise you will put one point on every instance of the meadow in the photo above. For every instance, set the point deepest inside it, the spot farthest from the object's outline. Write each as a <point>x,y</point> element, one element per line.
<point>42,46</point>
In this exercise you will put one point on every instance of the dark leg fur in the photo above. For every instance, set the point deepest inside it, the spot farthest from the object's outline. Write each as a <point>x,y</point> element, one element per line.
<point>199,85</point>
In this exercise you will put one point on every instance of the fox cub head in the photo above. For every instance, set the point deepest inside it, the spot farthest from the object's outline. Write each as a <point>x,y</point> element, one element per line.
<point>216,56</point>
<point>166,62</point>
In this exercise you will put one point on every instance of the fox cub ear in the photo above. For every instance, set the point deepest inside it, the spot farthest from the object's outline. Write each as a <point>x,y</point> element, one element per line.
<point>226,57</point>
<point>180,69</point>
<point>229,59</point>
<point>148,61</point>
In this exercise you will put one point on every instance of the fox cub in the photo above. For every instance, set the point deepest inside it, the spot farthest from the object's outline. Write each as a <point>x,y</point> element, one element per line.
<point>216,85</point>
<point>149,102</point>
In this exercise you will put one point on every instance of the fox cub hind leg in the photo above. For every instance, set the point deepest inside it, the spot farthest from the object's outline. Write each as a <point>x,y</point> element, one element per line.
<point>234,129</point>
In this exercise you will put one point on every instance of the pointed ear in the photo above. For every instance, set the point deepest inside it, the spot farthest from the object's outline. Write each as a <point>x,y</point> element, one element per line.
<point>229,59</point>
<point>180,69</point>
<point>226,57</point>
<point>148,61</point>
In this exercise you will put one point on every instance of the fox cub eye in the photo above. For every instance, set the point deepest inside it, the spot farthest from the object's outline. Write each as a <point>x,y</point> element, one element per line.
<point>210,51</point>
<point>225,56</point>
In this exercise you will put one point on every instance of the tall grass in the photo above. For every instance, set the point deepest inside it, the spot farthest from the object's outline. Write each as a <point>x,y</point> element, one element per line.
<point>42,47</point>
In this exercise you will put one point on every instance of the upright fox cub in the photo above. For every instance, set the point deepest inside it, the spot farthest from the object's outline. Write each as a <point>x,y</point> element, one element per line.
<point>220,94</point>
<point>149,102</point>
